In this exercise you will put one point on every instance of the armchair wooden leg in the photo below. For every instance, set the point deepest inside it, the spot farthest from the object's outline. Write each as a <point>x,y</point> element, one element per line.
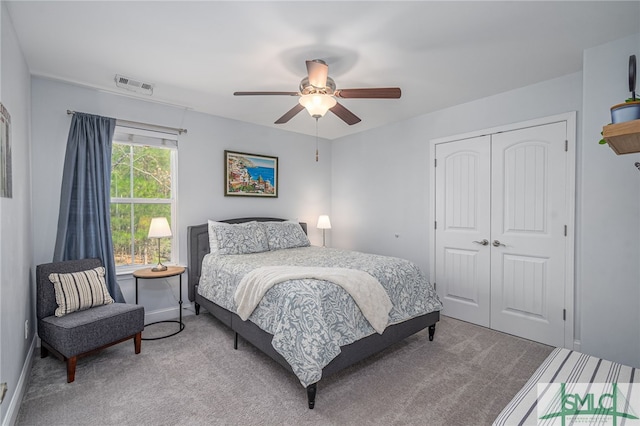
<point>44,352</point>
<point>137,341</point>
<point>71,368</point>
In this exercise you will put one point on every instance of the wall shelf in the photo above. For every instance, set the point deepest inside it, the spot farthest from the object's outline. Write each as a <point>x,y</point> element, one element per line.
<point>623,138</point>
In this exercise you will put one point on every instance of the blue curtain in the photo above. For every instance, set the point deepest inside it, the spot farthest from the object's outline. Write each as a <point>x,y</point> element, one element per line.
<point>84,223</point>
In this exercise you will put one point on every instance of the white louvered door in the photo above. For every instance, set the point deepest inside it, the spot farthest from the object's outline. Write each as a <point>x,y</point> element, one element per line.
<point>510,190</point>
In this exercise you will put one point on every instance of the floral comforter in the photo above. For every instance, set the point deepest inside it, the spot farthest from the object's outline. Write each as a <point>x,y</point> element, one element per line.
<point>310,319</point>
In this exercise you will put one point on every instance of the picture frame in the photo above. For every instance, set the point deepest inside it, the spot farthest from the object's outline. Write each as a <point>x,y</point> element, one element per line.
<point>250,175</point>
<point>6,183</point>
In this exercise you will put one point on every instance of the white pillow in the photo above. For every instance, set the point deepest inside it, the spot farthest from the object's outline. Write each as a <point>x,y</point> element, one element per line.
<point>240,238</point>
<point>283,235</point>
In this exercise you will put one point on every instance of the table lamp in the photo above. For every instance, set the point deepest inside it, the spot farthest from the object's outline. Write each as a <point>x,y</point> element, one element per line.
<point>159,228</point>
<point>323,223</point>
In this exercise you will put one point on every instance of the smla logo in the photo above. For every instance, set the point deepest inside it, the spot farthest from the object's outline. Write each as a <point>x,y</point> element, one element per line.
<point>588,403</point>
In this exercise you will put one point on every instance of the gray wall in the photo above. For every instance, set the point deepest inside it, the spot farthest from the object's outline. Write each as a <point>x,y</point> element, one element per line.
<point>609,233</point>
<point>16,273</point>
<point>304,187</point>
<point>387,193</point>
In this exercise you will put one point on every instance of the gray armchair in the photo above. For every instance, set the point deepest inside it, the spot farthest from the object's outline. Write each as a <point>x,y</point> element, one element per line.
<point>83,332</point>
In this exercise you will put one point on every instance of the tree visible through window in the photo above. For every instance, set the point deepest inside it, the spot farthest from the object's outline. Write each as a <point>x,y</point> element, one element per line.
<point>142,187</point>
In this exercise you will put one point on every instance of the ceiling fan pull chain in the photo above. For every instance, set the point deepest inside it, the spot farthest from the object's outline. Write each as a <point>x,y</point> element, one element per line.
<point>316,139</point>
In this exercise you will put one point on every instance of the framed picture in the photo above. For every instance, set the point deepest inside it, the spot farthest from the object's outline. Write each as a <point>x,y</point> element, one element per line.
<point>250,175</point>
<point>5,153</point>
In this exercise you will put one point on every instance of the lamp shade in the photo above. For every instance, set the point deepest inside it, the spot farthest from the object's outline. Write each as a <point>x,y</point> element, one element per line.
<point>159,228</point>
<point>317,105</point>
<point>324,222</point>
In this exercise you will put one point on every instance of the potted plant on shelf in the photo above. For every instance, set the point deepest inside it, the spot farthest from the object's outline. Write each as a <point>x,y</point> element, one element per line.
<point>630,109</point>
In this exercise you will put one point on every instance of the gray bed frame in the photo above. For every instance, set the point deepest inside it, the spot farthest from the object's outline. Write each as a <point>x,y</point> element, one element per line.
<point>198,247</point>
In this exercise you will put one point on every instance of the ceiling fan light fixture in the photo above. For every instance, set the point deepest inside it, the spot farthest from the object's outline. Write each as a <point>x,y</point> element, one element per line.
<point>318,95</point>
<point>317,105</point>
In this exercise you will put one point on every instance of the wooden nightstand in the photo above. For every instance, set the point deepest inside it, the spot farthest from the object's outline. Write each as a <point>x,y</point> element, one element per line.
<point>148,274</point>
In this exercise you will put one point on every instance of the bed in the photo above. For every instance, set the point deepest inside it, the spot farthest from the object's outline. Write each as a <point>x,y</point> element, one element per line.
<point>570,387</point>
<point>329,332</point>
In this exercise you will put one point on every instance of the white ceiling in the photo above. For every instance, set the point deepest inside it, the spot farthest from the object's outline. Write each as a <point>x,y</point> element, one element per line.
<point>198,53</point>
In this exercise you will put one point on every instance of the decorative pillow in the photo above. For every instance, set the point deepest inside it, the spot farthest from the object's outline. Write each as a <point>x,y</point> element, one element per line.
<point>213,240</point>
<point>240,238</point>
<point>80,290</point>
<point>283,235</point>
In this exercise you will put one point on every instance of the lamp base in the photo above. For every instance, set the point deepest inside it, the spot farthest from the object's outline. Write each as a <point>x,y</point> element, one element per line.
<point>159,268</point>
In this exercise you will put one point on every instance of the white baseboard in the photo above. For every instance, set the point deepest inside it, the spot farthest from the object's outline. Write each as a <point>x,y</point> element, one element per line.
<point>21,387</point>
<point>168,313</point>
<point>577,345</point>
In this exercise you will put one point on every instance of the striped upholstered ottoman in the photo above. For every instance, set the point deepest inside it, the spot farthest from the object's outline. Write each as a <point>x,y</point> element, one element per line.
<point>573,388</point>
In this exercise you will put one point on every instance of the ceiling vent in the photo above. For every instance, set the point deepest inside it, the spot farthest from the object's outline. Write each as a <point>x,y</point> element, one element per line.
<point>134,85</point>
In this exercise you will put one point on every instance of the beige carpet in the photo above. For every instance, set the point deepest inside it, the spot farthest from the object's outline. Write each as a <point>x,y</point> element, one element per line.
<point>464,377</point>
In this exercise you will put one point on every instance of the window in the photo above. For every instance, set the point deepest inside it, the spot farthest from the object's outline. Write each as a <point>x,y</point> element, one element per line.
<point>143,186</point>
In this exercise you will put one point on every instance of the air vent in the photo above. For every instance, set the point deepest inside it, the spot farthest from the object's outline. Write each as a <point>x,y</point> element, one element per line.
<point>134,85</point>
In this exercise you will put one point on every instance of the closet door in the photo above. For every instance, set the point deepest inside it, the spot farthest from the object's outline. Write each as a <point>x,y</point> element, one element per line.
<point>528,218</point>
<point>463,197</point>
<point>501,208</point>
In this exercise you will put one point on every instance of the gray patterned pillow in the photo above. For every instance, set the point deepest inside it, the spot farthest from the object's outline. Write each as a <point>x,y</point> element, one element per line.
<point>80,290</point>
<point>283,235</point>
<point>241,238</point>
<point>213,240</point>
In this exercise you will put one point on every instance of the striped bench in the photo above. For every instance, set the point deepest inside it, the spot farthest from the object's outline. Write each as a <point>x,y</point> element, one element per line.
<point>580,381</point>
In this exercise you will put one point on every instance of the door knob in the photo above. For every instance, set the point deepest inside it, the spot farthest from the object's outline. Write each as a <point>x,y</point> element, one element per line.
<point>483,242</point>
<point>497,243</point>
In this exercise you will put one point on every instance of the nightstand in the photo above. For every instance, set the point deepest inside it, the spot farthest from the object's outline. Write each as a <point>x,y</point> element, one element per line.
<point>148,274</point>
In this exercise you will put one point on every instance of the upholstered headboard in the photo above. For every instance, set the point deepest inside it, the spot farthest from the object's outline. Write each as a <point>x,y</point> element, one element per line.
<point>198,247</point>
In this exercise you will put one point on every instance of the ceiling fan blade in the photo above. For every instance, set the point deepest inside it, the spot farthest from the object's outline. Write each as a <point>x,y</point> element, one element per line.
<point>289,114</point>
<point>344,114</point>
<point>318,71</point>
<point>373,93</point>
<point>265,93</point>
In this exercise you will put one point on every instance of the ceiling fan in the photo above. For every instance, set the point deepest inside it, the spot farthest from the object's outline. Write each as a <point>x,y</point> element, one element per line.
<point>318,95</point>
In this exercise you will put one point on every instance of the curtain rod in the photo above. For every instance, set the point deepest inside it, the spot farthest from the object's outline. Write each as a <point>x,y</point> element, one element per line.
<point>145,126</point>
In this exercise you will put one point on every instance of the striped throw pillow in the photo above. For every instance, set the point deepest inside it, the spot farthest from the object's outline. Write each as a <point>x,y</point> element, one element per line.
<point>80,290</point>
